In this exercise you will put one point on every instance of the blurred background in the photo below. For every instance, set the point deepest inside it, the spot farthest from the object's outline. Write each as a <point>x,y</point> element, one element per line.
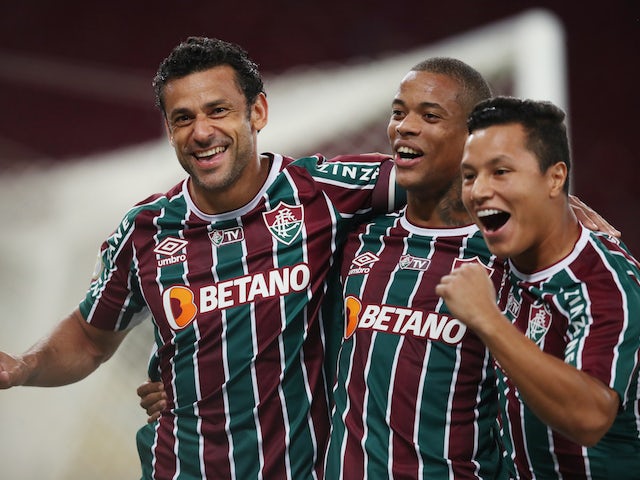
<point>81,141</point>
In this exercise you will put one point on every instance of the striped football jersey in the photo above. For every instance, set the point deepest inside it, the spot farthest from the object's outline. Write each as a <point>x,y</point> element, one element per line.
<point>584,310</point>
<point>246,311</point>
<point>416,393</point>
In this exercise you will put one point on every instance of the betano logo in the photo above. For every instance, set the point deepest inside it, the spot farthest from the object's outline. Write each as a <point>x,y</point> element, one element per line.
<point>401,321</point>
<point>181,304</point>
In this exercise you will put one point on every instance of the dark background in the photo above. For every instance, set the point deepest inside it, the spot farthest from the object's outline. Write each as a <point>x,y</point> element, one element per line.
<point>50,117</point>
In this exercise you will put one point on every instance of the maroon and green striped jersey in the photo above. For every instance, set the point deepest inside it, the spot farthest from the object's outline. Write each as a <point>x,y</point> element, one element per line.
<point>584,310</point>
<point>416,393</point>
<point>247,316</point>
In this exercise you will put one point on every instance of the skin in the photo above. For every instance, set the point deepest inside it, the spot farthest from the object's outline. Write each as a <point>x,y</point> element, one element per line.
<point>500,173</point>
<point>72,351</point>
<point>214,134</point>
<point>429,120</point>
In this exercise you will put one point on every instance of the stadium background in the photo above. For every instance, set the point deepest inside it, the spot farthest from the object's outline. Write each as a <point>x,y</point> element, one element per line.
<point>76,98</point>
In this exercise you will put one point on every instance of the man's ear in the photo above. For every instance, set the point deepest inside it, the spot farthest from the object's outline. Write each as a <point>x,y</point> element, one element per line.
<point>557,175</point>
<point>259,112</point>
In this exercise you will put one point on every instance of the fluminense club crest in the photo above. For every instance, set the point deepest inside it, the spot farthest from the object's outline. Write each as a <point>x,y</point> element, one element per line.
<point>284,222</point>
<point>539,322</point>
<point>459,261</point>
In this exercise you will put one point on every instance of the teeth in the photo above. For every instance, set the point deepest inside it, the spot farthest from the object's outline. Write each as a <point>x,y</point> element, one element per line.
<point>210,152</point>
<point>488,212</point>
<point>408,150</point>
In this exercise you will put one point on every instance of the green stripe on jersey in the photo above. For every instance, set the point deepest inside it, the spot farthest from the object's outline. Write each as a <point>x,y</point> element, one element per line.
<point>184,362</point>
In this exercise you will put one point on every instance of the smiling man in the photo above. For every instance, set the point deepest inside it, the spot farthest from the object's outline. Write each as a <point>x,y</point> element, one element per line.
<point>233,265</point>
<point>566,331</point>
<point>416,391</point>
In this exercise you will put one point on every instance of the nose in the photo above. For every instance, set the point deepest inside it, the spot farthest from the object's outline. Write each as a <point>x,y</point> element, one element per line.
<point>481,189</point>
<point>409,125</point>
<point>203,129</point>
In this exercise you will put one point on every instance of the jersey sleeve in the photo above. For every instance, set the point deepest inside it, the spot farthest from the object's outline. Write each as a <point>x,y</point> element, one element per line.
<point>358,183</point>
<point>605,340</point>
<point>113,300</point>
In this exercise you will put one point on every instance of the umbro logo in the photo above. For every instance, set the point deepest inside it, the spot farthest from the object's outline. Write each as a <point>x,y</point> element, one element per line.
<point>362,264</point>
<point>169,247</point>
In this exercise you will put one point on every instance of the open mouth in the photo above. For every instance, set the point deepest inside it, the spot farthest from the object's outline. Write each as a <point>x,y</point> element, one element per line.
<point>209,153</point>
<point>492,219</point>
<point>406,153</point>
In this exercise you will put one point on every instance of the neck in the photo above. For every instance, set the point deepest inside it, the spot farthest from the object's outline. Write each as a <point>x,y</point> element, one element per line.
<point>558,241</point>
<point>234,196</point>
<point>445,210</point>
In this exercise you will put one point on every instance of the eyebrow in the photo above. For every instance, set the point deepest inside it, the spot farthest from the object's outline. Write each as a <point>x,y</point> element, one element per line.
<point>207,106</point>
<point>397,101</point>
<point>178,111</point>
<point>491,163</point>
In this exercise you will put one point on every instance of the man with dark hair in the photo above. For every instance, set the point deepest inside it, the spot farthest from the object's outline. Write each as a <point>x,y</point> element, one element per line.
<point>427,130</point>
<point>416,394</point>
<point>197,54</point>
<point>566,331</point>
<point>234,265</point>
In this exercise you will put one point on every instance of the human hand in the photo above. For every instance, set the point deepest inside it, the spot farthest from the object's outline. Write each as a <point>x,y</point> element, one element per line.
<point>469,294</point>
<point>13,371</point>
<point>152,398</point>
<point>590,218</point>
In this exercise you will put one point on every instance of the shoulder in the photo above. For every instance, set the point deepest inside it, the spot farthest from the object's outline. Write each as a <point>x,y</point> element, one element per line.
<point>358,169</point>
<point>171,203</point>
<point>612,254</point>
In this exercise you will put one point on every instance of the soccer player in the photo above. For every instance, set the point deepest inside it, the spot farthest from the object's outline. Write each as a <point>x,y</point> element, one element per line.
<point>566,331</point>
<point>416,391</point>
<point>448,391</point>
<point>234,265</point>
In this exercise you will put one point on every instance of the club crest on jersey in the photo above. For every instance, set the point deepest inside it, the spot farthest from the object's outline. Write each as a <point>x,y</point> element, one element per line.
<point>457,262</point>
<point>539,322</point>
<point>169,249</point>
<point>361,265</point>
<point>284,222</point>
<point>409,262</point>
<point>223,237</point>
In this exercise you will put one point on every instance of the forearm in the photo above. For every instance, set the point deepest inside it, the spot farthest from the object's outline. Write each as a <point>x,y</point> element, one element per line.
<point>72,351</point>
<point>570,401</point>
